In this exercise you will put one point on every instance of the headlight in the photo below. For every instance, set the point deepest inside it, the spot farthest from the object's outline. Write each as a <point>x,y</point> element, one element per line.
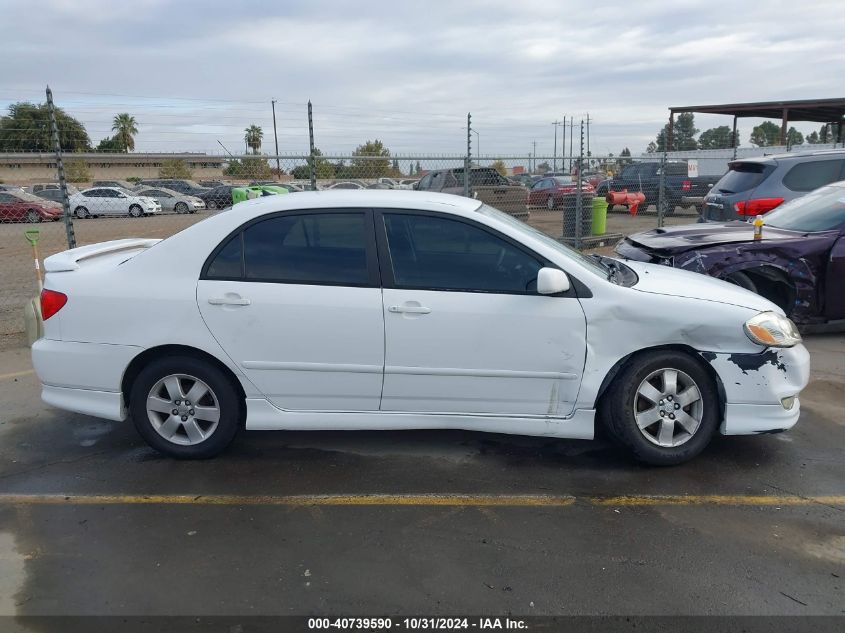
<point>772,330</point>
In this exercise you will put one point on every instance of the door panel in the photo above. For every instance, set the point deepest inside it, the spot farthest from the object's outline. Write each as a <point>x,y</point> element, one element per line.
<point>482,353</point>
<point>835,282</point>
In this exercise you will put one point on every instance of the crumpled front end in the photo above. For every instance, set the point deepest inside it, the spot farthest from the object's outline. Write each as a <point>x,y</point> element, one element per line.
<point>761,390</point>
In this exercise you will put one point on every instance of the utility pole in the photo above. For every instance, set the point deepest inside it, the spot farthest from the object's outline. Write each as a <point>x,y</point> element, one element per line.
<point>276,138</point>
<point>468,159</point>
<point>60,167</point>
<point>563,145</point>
<point>571,134</point>
<point>554,154</point>
<point>588,137</point>
<point>312,149</point>
<point>533,169</point>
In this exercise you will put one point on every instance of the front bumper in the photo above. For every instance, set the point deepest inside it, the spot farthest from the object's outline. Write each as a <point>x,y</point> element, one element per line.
<point>755,385</point>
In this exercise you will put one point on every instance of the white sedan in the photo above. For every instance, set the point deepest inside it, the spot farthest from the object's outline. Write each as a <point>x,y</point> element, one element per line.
<point>406,310</point>
<point>111,201</point>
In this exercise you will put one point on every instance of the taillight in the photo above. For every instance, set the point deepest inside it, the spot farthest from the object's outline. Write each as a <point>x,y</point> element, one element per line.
<point>51,302</point>
<point>756,206</point>
<point>686,185</point>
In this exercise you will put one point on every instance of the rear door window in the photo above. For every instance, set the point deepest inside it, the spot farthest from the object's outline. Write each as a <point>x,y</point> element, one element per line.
<point>742,177</point>
<point>812,175</point>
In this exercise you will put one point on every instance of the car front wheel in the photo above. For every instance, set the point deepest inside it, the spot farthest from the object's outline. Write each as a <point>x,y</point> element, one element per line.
<point>663,407</point>
<point>185,407</point>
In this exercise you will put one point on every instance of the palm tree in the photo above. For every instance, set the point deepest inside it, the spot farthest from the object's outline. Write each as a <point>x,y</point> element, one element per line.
<point>252,136</point>
<point>126,128</point>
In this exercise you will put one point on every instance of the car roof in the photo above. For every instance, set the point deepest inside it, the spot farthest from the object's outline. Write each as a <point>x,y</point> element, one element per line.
<point>774,158</point>
<point>366,198</point>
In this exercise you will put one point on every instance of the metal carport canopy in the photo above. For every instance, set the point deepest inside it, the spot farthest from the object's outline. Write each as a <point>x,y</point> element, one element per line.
<point>818,110</point>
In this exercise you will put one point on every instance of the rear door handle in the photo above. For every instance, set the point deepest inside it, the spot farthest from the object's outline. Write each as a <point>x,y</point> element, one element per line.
<point>229,301</point>
<point>409,309</point>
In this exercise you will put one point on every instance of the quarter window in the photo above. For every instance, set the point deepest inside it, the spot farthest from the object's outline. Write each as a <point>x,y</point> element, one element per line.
<point>441,254</point>
<point>812,175</point>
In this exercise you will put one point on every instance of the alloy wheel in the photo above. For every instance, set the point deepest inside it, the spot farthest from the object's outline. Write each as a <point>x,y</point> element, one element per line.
<point>668,407</point>
<point>183,409</point>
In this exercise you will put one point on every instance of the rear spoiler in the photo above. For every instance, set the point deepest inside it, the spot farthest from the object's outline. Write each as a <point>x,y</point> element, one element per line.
<point>69,260</point>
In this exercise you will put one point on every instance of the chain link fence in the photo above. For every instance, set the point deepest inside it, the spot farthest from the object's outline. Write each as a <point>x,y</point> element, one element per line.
<point>585,201</point>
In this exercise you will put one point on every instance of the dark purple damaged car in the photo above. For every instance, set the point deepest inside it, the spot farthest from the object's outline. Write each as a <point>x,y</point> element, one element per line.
<point>799,263</point>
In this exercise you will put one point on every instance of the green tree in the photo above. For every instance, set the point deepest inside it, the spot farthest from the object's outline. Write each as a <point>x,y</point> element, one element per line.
<point>126,128</point>
<point>543,167</point>
<point>371,160</point>
<point>683,134</point>
<point>27,128</point>
<point>765,135</point>
<point>248,168</point>
<point>324,168</point>
<point>77,171</point>
<point>499,166</point>
<point>109,144</point>
<point>652,148</point>
<point>252,136</point>
<point>418,169</point>
<point>794,137</point>
<point>813,138</point>
<point>624,157</point>
<point>716,138</point>
<point>174,168</point>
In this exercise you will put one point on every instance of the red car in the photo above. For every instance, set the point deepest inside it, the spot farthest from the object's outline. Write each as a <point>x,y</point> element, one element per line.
<point>549,192</point>
<point>24,207</point>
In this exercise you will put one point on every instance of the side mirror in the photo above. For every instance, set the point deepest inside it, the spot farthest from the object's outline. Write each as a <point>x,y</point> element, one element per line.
<point>551,281</point>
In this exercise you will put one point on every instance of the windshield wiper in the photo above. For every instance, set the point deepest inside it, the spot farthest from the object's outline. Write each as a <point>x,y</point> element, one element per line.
<point>609,265</point>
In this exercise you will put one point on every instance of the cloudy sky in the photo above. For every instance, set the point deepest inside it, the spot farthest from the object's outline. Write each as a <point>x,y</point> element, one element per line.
<point>195,72</point>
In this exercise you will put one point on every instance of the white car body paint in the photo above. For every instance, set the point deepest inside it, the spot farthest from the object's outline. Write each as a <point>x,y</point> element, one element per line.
<point>531,366</point>
<point>119,203</point>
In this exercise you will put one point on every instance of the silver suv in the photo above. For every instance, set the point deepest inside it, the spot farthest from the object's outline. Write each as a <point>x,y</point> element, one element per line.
<point>753,186</point>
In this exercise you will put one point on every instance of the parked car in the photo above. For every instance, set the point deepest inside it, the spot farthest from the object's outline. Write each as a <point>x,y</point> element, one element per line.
<point>485,184</point>
<point>347,184</point>
<point>111,201</point>
<point>19,206</point>
<point>172,200</point>
<point>211,184</point>
<point>217,198</point>
<point>645,178</point>
<point>753,186</point>
<point>394,310</point>
<point>549,192</point>
<point>188,187</point>
<point>13,188</point>
<point>121,184</point>
<point>799,264</point>
<point>53,195</point>
<point>45,186</point>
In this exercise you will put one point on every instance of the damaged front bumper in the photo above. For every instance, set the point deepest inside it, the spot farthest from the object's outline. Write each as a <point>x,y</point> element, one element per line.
<point>761,390</point>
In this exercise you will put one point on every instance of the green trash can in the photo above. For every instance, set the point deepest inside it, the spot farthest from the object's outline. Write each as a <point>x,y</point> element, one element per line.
<point>599,216</point>
<point>241,194</point>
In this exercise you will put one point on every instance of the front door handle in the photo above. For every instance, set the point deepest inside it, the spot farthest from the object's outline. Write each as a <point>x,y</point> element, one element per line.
<point>409,309</point>
<point>229,301</point>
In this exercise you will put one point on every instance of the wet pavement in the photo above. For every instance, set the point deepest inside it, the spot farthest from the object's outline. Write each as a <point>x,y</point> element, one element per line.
<point>755,525</point>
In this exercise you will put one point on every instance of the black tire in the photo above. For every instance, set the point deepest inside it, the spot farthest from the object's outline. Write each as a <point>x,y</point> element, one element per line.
<point>224,393</point>
<point>742,280</point>
<point>617,408</point>
<point>181,207</point>
<point>136,211</point>
<point>551,204</point>
<point>33,217</point>
<point>211,204</point>
<point>81,213</point>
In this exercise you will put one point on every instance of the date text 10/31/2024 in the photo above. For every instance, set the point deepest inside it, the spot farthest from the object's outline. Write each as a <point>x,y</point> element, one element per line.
<point>419,623</point>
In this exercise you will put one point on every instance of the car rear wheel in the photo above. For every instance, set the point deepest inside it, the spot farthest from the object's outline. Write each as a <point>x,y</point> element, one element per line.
<point>211,204</point>
<point>136,211</point>
<point>81,213</point>
<point>185,407</point>
<point>550,203</point>
<point>663,407</point>
<point>33,217</point>
<point>181,207</point>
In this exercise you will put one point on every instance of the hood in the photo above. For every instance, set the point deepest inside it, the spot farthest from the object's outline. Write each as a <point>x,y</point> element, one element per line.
<point>677,239</point>
<point>665,280</point>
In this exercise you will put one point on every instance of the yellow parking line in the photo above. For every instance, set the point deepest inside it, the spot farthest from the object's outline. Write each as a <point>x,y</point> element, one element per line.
<point>420,500</point>
<point>17,374</point>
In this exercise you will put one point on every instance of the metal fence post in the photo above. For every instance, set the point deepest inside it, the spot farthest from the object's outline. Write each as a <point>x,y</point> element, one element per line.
<point>468,160</point>
<point>579,202</point>
<point>661,190</point>
<point>312,152</point>
<point>60,168</point>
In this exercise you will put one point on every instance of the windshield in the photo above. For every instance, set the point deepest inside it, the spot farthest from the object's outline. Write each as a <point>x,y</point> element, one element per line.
<point>742,177</point>
<point>820,210</point>
<point>563,249</point>
<point>564,180</point>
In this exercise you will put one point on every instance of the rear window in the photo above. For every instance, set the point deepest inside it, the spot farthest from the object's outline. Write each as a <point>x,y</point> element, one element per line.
<point>822,210</point>
<point>742,177</point>
<point>812,175</point>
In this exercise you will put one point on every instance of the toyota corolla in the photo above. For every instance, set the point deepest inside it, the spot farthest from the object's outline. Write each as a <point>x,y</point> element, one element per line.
<point>406,310</point>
